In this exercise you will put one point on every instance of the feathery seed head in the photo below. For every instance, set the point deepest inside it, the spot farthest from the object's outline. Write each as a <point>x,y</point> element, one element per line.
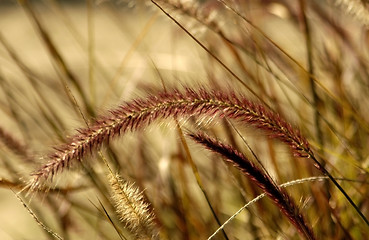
<point>277,194</point>
<point>132,208</point>
<point>139,113</point>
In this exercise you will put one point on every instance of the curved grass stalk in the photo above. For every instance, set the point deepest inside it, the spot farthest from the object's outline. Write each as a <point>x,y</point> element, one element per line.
<point>139,113</point>
<point>254,200</point>
<point>38,221</point>
<point>257,198</point>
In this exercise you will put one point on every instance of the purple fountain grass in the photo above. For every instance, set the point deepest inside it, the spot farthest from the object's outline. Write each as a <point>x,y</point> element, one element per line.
<point>277,194</point>
<point>176,104</point>
<point>141,112</point>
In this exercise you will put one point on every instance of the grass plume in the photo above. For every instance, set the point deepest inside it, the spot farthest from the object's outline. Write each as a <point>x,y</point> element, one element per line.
<point>138,113</point>
<point>132,209</point>
<point>277,194</point>
<point>141,112</point>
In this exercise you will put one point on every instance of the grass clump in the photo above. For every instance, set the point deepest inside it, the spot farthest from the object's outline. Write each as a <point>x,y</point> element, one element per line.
<point>127,84</point>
